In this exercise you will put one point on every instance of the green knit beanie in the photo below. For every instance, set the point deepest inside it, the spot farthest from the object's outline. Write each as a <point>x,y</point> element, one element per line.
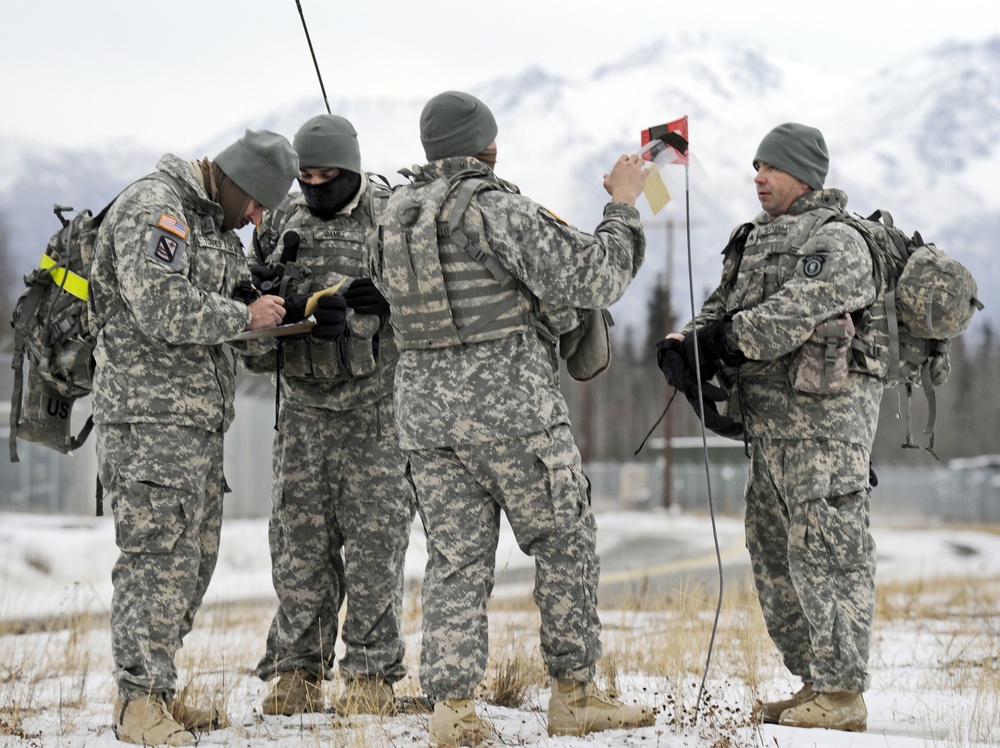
<point>262,164</point>
<point>456,124</point>
<point>798,150</point>
<point>328,142</point>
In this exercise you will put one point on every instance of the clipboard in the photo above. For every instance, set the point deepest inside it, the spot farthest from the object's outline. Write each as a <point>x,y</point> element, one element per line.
<point>295,328</point>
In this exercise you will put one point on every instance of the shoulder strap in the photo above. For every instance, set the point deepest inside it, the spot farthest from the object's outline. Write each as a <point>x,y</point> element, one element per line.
<point>465,186</point>
<point>814,221</point>
<point>449,226</point>
<point>481,253</point>
<point>737,243</point>
<point>379,179</point>
<point>278,217</point>
<point>167,179</point>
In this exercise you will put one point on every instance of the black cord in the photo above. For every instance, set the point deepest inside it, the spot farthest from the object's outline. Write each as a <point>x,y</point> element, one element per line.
<point>704,439</point>
<point>313,53</point>
<point>658,421</point>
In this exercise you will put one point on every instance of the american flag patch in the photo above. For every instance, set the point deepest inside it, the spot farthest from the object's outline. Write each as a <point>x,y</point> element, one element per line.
<point>171,224</point>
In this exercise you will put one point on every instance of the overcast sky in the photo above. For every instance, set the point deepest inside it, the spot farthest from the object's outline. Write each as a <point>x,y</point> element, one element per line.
<point>173,73</point>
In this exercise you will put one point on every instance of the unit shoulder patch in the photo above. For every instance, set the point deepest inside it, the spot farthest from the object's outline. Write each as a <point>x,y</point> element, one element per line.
<point>813,265</point>
<point>549,214</point>
<point>166,247</point>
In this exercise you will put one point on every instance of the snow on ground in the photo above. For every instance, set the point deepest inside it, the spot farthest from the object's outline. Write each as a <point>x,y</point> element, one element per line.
<point>58,565</point>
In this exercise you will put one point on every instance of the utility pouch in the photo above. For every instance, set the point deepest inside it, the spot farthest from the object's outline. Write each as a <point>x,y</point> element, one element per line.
<point>820,366</point>
<point>587,347</point>
<point>264,363</point>
<point>295,359</point>
<point>360,351</point>
<point>325,359</point>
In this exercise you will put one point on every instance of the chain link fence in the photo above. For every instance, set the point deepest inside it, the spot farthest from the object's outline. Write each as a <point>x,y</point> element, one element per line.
<point>965,491</point>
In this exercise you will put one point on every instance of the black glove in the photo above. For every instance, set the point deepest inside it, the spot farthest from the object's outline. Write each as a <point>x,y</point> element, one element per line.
<point>674,365</point>
<point>295,308</point>
<point>715,421</point>
<point>245,292</point>
<point>364,298</point>
<point>331,317</point>
<point>713,350</point>
<point>266,278</point>
<point>680,375</point>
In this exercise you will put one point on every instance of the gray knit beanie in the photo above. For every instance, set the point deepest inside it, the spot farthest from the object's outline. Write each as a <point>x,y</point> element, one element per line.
<point>456,124</point>
<point>798,150</point>
<point>328,142</point>
<point>262,164</point>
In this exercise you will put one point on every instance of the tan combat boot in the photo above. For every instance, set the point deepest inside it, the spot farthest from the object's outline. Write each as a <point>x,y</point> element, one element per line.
<point>770,711</point>
<point>198,719</point>
<point>366,695</point>
<point>579,708</point>
<point>295,692</point>
<point>146,721</point>
<point>455,722</point>
<point>839,710</point>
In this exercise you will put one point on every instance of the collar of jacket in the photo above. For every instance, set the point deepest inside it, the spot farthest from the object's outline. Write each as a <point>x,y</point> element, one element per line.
<point>449,167</point>
<point>829,198</point>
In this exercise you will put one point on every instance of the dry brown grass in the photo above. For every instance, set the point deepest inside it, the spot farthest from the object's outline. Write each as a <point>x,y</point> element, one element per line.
<point>655,649</point>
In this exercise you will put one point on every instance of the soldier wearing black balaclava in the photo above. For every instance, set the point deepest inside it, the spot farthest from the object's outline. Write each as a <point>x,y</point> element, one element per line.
<point>342,505</point>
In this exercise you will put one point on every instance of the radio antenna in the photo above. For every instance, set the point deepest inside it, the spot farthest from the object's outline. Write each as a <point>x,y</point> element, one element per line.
<point>313,53</point>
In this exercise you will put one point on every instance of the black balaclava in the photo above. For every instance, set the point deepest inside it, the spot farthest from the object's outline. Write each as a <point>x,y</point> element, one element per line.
<point>326,198</point>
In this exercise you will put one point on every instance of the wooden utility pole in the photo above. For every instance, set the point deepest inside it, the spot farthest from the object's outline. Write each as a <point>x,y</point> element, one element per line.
<point>668,323</point>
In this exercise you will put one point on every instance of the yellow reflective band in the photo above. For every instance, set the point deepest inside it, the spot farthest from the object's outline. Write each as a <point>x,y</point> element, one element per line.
<point>66,279</point>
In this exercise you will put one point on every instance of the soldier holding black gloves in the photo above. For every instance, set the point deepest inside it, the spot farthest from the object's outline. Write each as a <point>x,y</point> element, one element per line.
<point>808,413</point>
<point>342,504</point>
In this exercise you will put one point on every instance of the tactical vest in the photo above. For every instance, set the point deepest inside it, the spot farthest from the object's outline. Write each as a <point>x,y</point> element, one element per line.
<point>769,256</point>
<point>319,251</point>
<point>870,336</point>
<point>446,285</point>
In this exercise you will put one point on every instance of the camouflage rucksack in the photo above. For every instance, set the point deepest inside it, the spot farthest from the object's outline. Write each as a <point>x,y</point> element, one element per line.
<point>924,299</point>
<point>53,330</point>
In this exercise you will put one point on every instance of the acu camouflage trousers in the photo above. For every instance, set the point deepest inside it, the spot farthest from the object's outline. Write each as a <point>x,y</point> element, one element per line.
<point>538,481</point>
<point>342,506</point>
<point>813,557</point>
<point>165,486</point>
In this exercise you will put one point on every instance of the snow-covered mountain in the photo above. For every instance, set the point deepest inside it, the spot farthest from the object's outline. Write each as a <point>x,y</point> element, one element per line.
<point>921,139</point>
